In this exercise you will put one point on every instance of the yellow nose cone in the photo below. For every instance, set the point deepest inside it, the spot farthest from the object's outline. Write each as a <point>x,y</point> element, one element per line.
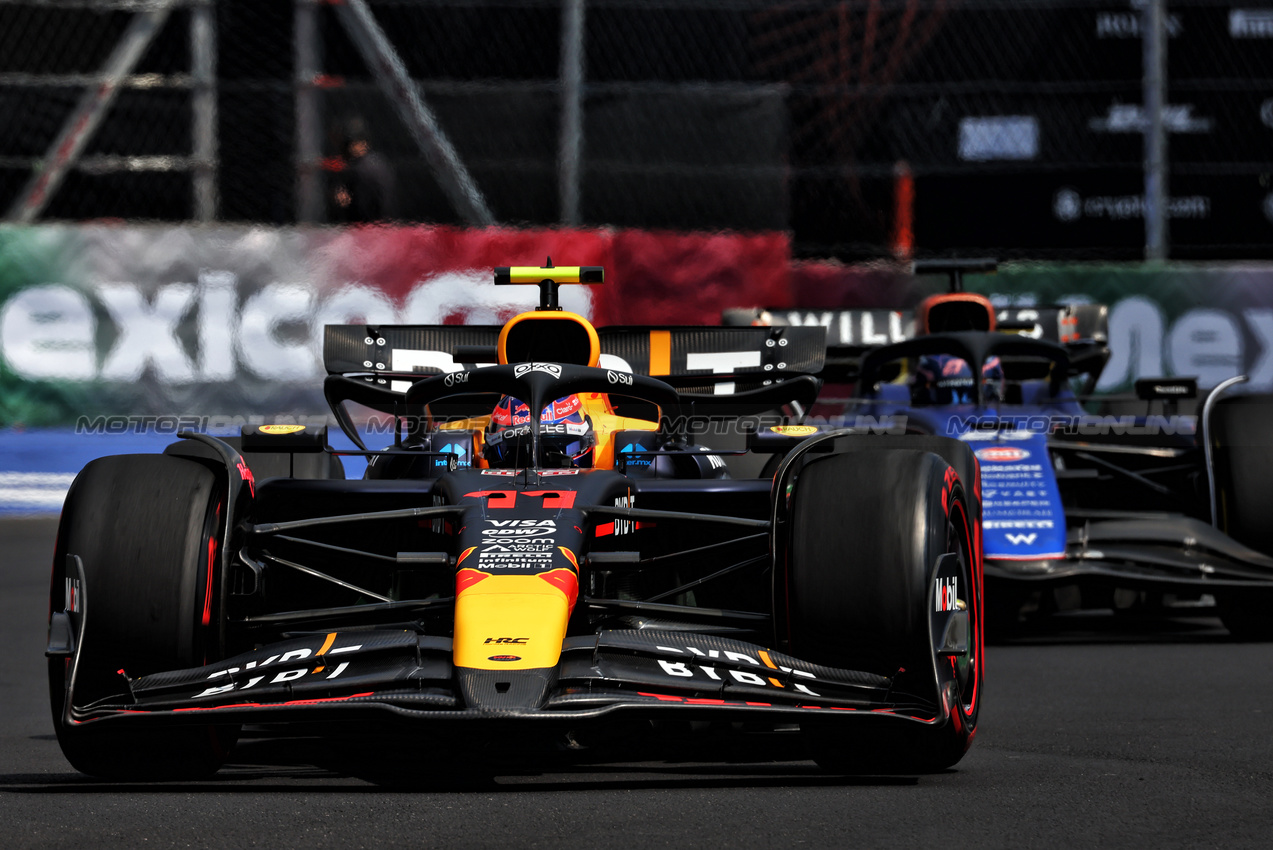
<point>511,622</point>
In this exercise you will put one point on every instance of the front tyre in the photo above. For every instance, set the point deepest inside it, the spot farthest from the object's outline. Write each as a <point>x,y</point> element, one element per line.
<point>147,531</point>
<point>868,531</point>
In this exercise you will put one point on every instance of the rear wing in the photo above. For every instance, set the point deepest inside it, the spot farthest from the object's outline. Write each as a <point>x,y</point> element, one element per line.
<point>713,359</point>
<point>1083,329</point>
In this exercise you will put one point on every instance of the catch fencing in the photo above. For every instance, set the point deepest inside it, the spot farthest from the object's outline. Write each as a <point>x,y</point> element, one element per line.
<point>865,128</point>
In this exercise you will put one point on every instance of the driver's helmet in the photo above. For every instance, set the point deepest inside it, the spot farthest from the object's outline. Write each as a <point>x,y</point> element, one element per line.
<point>565,434</point>
<point>947,379</point>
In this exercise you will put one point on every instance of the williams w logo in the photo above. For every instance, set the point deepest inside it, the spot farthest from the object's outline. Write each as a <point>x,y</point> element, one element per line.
<point>1018,539</point>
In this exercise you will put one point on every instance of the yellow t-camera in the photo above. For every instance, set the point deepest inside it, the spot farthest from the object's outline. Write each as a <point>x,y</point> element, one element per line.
<point>548,278</point>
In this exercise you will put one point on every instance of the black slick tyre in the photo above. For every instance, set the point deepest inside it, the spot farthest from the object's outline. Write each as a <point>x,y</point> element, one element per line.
<point>147,530</point>
<point>867,529</point>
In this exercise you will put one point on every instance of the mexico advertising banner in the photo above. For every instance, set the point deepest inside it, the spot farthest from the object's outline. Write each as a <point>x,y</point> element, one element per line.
<point>1208,322</point>
<point>227,322</point>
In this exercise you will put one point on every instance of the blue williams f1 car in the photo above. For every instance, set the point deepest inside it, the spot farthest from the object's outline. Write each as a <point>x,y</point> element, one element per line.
<point>1143,512</point>
<point>540,547</point>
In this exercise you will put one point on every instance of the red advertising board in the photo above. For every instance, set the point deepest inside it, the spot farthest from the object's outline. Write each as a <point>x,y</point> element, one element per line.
<point>651,278</point>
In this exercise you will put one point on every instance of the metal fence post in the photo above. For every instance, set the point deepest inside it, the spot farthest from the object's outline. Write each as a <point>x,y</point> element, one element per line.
<point>203,51</point>
<point>571,145</point>
<point>1154,39</point>
<point>309,193</point>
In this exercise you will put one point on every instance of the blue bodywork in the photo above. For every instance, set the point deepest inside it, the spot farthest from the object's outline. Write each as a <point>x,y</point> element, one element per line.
<point>1023,517</point>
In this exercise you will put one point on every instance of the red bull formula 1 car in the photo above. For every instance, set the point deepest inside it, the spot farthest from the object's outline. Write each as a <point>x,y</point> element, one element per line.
<point>543,573</point>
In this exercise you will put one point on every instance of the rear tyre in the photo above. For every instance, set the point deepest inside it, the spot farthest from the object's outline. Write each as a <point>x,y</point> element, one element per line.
<point>1242,443</point>
<point>867,530</point>
<point>147,530</point>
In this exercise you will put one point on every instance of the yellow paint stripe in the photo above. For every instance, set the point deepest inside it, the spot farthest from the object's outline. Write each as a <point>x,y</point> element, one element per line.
<point>660,352</point>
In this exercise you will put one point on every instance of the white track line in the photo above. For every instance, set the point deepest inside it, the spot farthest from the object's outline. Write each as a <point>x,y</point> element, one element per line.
<point>34,490</point>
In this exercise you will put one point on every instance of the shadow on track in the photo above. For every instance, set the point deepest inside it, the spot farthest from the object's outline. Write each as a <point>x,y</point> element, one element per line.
<point>1104,626</point>
<point>702,758</point>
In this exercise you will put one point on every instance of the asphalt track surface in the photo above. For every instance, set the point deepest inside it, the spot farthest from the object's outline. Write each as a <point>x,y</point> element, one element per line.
<point>1094,733</point>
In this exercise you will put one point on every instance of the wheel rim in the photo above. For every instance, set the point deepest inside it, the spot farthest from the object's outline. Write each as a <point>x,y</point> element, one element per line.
<point>966,668</point>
